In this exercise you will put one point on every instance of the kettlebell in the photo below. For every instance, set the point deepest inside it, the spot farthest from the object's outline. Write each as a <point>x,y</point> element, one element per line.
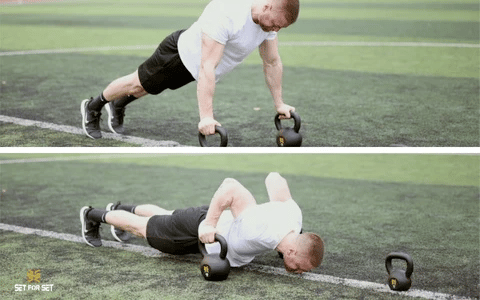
<point>289,137</point>
<point>399,279</point>
<point>223,137</point>
<point>215,266</point>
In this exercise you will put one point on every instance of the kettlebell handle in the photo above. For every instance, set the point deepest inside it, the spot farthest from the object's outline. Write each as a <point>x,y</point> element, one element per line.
<point>402,256</point>
<point>296,118</point>
<point>223,246</point>
<point>223,137</point>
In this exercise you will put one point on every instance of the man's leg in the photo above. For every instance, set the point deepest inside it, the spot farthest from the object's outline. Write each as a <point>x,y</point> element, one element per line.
<point>136,225</point>
<point>135,222</point>
<point>91,218</point>
<point>163,70</point>
<point>120,93</point>
<point>146,210</point>
<point>117,95</point>
<point>124,86</point>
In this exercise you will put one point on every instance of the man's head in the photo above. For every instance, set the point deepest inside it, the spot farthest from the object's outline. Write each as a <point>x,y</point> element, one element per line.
<point>305,254</point>
<point>274,15</point>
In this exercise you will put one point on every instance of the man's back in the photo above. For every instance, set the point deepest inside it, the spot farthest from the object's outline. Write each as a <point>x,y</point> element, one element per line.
<point>258,229</point>
<point>230,23</point>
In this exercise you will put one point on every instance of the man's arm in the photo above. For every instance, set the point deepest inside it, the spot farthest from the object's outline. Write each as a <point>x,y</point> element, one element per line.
<point>231,194</point>
<point>277,187</point>
<point>212,52</point>
<point>273,70</point>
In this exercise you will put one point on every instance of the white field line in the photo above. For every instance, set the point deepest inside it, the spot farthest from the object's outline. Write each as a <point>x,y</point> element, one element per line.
<point>296,44</point>
<point>75,130</point>
<point>47,159</point>
<point>380,44</point>
<point>79,158</point>
<point>150,252</point>
<point>34,2</point>
<point>74,50</point>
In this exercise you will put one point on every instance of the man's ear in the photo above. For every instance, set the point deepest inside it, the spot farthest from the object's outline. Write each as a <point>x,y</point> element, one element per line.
<point>291,251</point>
<point>267,7</point>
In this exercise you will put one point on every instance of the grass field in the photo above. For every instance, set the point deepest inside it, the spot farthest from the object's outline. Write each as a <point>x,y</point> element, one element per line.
<point>360,73</point>
<point>363,205</point>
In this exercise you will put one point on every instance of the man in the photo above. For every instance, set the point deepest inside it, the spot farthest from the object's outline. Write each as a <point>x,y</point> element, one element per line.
<point>224,35</point>
<point>250,229</point>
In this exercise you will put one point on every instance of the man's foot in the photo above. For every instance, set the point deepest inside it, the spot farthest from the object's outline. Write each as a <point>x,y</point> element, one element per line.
<point>90,120</point>
<point>115,117</point>
<point>118,234</point>
<point>90,229</point>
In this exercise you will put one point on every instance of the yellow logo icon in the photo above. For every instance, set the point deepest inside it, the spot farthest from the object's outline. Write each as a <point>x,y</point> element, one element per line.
<point>33,275</point>
<point>281,140</point>
<point>206,270</point>
<point>393,282</point>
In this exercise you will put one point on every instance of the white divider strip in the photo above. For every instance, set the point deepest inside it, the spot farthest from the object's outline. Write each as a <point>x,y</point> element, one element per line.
<point>296,44</point>
<point>75,130</point>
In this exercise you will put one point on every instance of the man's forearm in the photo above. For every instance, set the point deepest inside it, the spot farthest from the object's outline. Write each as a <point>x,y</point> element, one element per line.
<point>205,92</point>
<point>273,77</point>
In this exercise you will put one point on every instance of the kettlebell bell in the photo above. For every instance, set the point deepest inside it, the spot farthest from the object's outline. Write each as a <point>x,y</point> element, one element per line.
<point>223,137</point>
<point>399,279</point>
<point>215,266</point>
<point>289,137</point>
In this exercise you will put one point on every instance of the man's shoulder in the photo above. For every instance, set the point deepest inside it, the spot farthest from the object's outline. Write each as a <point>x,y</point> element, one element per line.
<point>236,10</point>
<point>231,4</point>
<point>282,204</point>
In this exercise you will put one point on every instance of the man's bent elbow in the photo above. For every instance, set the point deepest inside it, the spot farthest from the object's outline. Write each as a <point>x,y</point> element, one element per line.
<point>273,176</point>
<point>230,182</point>
<point>231,187</point>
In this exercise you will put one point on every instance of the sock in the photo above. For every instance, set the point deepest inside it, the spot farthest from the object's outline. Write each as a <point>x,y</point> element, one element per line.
<point>122,102</point>
<point>97,215</point>
<point>97,103</point>
<point>126,207</point>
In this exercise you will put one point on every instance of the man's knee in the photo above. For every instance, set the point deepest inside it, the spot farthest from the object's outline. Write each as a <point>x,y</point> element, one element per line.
<point>134,224</point>
<point>139,228</point>
<point>135,86</point>
<point>151,210</point>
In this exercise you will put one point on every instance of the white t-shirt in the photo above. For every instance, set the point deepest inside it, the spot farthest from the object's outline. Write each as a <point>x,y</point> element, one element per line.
<point>228,22</point>
<point>256,230</point>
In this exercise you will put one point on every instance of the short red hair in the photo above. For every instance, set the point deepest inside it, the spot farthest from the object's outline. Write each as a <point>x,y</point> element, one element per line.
<point>290,8</point>
<point>313,248</point>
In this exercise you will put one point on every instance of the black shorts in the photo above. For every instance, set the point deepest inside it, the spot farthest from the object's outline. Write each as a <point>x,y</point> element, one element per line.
<point>178,233</point>
<point>164,69</point>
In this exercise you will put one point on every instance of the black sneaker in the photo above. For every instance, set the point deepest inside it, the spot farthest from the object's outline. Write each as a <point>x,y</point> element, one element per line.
<point>90,229</point>
<point>115,117</point>
<point>90,120</point>
<point>119,234</point>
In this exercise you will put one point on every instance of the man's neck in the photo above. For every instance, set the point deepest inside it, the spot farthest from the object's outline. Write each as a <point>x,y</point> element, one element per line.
<point>287,243</point>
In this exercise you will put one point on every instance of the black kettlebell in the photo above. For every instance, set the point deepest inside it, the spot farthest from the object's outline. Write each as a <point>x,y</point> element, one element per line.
<point>399,279</point>
<point>214,266</point>
<point>223,137</point>
<point>289,137</point>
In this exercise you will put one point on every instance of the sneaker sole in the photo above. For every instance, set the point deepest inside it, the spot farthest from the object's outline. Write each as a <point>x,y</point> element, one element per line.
<point>110,117</point>
<point>112,228</point>
<point>84,118</point>
<point>84,227</point>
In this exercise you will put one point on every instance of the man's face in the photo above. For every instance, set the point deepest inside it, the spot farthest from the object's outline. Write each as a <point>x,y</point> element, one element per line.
<point>297,264</point>
<point>272,20</point>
